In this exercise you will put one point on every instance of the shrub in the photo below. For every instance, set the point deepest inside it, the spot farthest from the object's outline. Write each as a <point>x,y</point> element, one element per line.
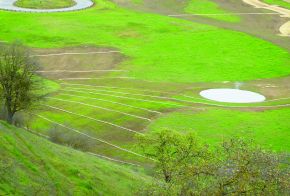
<point>62,136</point>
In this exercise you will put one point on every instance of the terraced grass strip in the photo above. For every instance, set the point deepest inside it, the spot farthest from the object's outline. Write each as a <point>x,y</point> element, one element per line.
<point>243,106</point>
<point>117,96</point>
<point>99,107</point>
<point>123,93</point>
<point>208,7</point>
<point>105,78</point>
<point>113,102</point>
<point>259,13</point>
<point>278,99</point>
<point>135,94</point>
<point>174,99</point>
<point>73,53</point>
<point>80,71</point>
<point>93,119</point>
<point>36,133</point>
<point>115,87</point>
<point>114,160</point>
<point>94,138</point>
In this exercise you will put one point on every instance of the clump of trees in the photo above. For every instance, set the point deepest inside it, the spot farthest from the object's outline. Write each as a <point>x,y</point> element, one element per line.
<point>17,79</point>
<point>186,166</point>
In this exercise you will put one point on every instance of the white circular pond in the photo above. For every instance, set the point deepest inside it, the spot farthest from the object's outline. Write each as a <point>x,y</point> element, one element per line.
<point>232,95</point>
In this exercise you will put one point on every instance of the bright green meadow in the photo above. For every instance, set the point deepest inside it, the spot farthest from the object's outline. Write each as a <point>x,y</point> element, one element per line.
<point>152,84</point>
<point>160,48</point>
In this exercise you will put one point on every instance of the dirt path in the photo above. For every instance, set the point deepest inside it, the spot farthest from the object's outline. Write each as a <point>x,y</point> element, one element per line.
<point>285,28</point>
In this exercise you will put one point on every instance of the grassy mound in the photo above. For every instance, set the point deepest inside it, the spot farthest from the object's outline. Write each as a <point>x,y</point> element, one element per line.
<point>31,165</point>
<point>44,4</point>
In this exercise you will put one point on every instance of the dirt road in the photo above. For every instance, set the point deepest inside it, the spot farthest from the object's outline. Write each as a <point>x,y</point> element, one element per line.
<point>285,28</point>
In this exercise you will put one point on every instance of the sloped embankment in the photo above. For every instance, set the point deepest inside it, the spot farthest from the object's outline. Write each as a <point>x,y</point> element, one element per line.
<point>31,165</point>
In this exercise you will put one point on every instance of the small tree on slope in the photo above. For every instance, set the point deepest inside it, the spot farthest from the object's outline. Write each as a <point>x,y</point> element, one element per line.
<point>17,81</point>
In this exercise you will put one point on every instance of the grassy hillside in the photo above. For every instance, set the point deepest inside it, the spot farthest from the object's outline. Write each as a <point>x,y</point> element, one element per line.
<point>45,4</point>
<point>31,165</point>
<point>159,48</point>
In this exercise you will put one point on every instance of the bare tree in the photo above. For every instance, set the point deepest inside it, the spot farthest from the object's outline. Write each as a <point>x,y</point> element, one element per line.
<point>17,78</point>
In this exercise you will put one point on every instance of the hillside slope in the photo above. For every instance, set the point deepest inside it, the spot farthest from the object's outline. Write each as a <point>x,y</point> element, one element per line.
<point>31,165</point>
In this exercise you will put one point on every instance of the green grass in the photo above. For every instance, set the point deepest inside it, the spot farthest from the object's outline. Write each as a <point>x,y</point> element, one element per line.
<point>47,87</point>
<point>171,54</point>
<point>281,3</point>
<point>115,101</point>
<point>35,164</point>
<point>44,4</point>
<point>137,1</point>
<point>268,128</point>
<point>209,7</point>
<point>159,48</point>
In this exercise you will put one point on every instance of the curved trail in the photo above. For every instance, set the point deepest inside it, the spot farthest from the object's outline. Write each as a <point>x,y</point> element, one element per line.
<point>285,28</point>
<point>9,5</point>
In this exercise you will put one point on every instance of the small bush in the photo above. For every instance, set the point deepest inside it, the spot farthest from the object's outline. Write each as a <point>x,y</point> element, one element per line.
<point>62,136</point>
<point>20,120</point>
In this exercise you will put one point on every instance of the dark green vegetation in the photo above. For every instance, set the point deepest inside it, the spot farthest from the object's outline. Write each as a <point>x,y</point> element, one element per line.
<point>44,4</point>
<point>32,165</point>
<point>185,166</point>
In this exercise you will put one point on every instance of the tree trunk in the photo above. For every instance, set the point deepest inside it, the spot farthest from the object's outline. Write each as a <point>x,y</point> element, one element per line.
<point>167,177</point>
<point>9,118</point>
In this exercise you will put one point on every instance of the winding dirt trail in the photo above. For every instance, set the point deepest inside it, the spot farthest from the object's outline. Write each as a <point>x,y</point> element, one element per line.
<point>285,28</point>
